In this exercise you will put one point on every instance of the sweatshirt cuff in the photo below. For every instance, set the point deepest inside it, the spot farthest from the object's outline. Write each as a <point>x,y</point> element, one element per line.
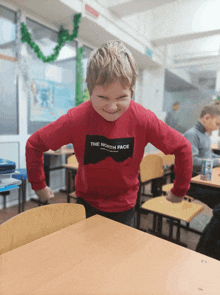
<point>215,162</point>
<point>38,185</point>
<point>177,193</point>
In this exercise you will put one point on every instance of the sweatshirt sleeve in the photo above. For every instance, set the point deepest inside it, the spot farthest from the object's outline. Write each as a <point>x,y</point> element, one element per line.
<point>215,158</point>
<point>52,136</point>
<point>170,141</point>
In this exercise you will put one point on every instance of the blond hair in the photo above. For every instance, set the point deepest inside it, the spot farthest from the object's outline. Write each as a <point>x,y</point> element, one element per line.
<point>212,109</point>
<point>111,62</point>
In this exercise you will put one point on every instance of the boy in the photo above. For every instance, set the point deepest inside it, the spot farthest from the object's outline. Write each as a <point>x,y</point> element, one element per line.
<point>199,137</point>
<point>109,134</point>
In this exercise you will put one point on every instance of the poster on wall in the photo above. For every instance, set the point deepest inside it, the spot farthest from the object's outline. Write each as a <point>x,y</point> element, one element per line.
<point>50,100</point>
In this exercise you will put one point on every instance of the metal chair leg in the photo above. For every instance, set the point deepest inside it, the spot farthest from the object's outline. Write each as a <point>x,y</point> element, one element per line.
<point>178,231</point>
<point>171,229</point>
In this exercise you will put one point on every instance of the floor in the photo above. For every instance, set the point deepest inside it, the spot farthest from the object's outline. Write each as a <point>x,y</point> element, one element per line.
<point>188,238</point>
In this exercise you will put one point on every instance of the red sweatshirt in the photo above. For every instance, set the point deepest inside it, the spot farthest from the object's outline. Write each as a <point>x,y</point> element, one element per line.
<point>109,153</point>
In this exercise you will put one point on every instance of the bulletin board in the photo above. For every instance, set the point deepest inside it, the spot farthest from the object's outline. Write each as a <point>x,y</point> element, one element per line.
<point>50,100</point>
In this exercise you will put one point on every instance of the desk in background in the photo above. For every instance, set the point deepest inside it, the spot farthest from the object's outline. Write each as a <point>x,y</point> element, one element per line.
<point>72,169</point>
<point>216,148</point>
<point>100,256</point>
<point>214,183</point>
<point>5,191</point>
<point>22,176</point>
<point>206,191</point>
<point>47,161</point>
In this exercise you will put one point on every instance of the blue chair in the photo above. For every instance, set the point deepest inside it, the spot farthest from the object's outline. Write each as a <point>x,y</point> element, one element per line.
<point>23,177</point>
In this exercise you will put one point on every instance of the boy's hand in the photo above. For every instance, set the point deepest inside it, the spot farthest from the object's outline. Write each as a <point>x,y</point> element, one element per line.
<point>44,194</point>
<point>172,198</point>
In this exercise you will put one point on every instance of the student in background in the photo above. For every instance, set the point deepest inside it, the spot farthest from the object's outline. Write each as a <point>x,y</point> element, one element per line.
<point>173,118</point>
<point>109,134</point>
<point>199,137</point>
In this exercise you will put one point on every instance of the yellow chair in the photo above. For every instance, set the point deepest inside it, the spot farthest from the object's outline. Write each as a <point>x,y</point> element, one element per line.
<point>152,168</point>
<point>151,171</point>
<point>168,164</point>
<point>167,187</point>
<point>168,161</point>
<point>174,212</point>
<point>38,222</point>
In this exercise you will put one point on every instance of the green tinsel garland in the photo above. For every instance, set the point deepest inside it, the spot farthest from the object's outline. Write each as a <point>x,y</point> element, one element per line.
<point>63,37</point>
<point>79,90</point>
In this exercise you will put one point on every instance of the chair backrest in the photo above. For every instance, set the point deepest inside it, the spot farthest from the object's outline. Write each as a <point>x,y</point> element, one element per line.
<point>151,167</point>
<point>72,160</point>
<point>167,159</point>
<point>38,222</point>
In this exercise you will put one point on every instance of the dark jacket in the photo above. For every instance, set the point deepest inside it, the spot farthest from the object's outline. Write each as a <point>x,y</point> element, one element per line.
<point>209,243</point>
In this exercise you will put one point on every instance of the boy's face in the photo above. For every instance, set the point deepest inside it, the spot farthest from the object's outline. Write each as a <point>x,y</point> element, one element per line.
<point>211,123</point>
<point>112,101</point>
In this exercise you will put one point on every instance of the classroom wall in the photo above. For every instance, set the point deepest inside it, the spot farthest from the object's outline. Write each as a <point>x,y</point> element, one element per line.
<point>16,143</point>
<point>191,104</point>
<point>149,93</point>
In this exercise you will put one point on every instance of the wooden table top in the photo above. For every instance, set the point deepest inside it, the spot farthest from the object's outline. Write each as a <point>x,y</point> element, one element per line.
<point>103,257</point>
<point>215,181</point>
<point>64,151</point>
<point>215,146</point>
<point>73,166</point>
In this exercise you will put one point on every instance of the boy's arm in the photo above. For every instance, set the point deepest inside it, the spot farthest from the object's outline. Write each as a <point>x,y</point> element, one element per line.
<point>52,136</point>
<point>215,156</point>
<point>194,141</point>
<point>197,161</point>
<point>170,141</point>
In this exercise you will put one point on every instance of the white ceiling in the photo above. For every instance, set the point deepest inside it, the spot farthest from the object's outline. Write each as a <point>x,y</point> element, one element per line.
<point>58,13</point>
<point>130,7</point>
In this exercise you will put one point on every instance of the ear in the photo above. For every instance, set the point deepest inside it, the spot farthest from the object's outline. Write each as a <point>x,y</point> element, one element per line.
<point>207,117</point>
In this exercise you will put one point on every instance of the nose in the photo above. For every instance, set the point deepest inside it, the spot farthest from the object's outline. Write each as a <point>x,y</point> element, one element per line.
<point>112,107</point>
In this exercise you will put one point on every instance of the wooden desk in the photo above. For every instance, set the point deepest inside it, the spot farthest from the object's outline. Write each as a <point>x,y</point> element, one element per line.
<point>47,161</point>
<point>103,257</point>
<point>215,182</point>
<point>5,191</point>
<point>64,151</point>
<point>72,168</point>
<point>216,148</point>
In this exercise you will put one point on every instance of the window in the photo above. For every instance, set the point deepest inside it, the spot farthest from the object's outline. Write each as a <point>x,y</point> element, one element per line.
<point>8,81</point>
<point>52,85</point>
